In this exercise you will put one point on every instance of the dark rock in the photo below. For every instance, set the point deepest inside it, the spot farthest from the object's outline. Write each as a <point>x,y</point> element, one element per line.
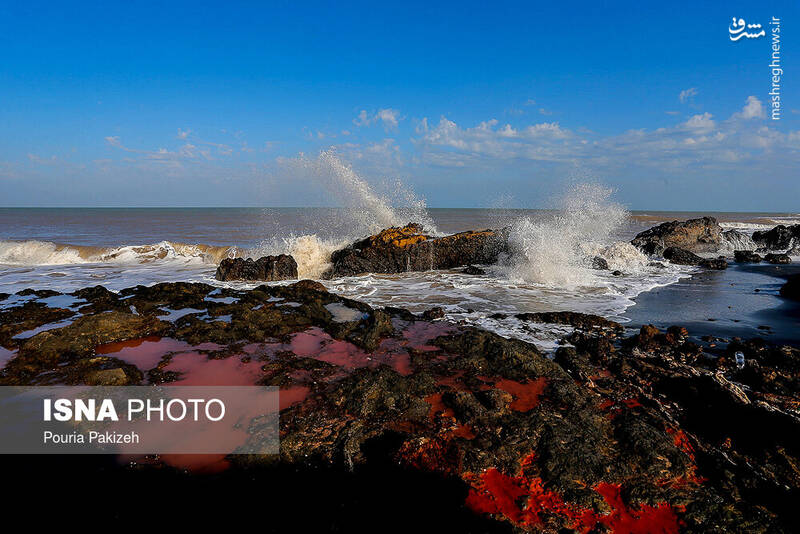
<point>617,273</point>
<point>599,263</point>
<point>718,264</point>
<point>471,269</point>
<point>680,256</point>
<point>695,235</point>
<point>397,250</point>
<point>779,259</point>
<point>791,289</point>
<point>746,256</point>
<point>779,238</point>
<point>584,321</point>
<point>433,313</point>
<point>266,268</point>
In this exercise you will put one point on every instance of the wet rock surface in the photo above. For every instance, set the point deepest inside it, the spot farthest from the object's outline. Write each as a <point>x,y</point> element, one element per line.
<point>649,432</point>
<point>781,237</point>
<point>680,256</point>
<point>695,235</point>
<point>746,256</point>
<point>778,259</point>
<point>408,248</point>
<point>264,269</point>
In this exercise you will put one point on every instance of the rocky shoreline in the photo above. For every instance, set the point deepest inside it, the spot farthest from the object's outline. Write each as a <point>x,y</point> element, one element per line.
<point>650,431</point>
<point>409,248</point>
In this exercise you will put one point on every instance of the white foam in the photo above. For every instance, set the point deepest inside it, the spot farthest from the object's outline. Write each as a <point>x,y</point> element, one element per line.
<point>554,251</point>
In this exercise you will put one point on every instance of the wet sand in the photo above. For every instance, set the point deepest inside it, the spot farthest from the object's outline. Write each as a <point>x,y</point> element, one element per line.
<point>740,301</point>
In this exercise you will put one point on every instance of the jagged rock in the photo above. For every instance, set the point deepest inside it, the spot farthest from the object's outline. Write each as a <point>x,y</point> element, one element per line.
<point>746,256</point>
<point>266,268</point>
<point>791,289</point>
<point>779,259</point>
<point>397,250</point>
<point>695,235</point>
<point>778,238</point>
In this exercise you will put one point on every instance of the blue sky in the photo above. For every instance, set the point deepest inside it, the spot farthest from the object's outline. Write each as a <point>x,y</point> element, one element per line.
<point>469,104</point>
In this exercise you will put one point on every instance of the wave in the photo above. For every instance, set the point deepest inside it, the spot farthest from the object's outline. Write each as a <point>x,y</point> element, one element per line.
<point>34,252</point>
<point>558,251</point>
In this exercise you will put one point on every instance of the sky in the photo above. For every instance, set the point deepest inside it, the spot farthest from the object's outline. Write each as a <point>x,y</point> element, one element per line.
<point>467,104</point>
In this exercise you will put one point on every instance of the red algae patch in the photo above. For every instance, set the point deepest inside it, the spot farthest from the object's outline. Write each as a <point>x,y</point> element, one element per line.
<point>144,353</point>
<point>526,394</point>
<point>525,502</point>
<point>199,370</point>
<point>418,334</point>
<point>316,343</point>
<point>289,396</point>
<point>438,407</point>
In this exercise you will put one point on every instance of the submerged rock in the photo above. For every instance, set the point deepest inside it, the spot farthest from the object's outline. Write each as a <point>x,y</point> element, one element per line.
<point>746,256</point>
<point>695,235</point>
<point>266,269</point>
<point>407,248</point>
<point>778,238</point>
<point>779,259</point>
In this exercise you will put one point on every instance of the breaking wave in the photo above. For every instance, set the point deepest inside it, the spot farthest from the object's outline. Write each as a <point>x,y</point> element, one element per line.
<point>558,251</point>
<point>366,212</point>
<point>48,253</point>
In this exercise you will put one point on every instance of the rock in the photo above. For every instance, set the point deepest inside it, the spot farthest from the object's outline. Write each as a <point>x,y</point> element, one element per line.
<point>791,289</point>
<point>695,235</point>
<point>266,268</point>
<point>397,250</point>
<point>794,251</point>
<point>599,263</point>
<point>472,270</point>
<point>718,264</point>
<point>778,259</point>
<point>583,321</point>
<point>779,238</point>
<point>680,256</point>
<point>746,256</point>
<point>107,377</point>
<point>433,313</point>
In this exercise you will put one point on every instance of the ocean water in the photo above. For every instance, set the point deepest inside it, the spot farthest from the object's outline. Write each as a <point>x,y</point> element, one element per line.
<point>69,248</point>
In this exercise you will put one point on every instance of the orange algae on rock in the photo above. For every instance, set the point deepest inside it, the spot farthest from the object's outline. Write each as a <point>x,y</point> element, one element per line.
<point>401,237</point>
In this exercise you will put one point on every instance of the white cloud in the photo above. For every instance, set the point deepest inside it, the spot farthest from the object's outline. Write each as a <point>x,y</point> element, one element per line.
<point>753,109</point>
<point>388,117</point>
<point>700,122</point>
<point>687,95</point>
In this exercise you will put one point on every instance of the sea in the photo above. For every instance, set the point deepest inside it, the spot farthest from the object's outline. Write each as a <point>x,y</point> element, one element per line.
<point>550,269</point>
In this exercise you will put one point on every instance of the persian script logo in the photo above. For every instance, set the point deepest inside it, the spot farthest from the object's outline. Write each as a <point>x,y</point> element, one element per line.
<point>737,30</point>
